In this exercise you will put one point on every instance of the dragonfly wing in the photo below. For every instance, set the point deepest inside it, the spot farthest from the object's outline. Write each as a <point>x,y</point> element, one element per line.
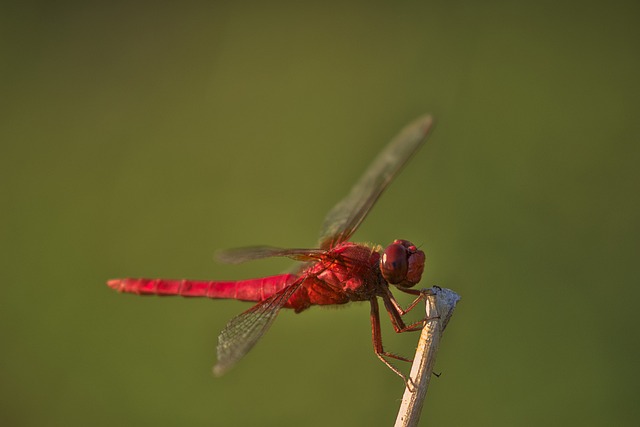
<point>239,255</point>
<point>243,331</point>
<point>343,220</point>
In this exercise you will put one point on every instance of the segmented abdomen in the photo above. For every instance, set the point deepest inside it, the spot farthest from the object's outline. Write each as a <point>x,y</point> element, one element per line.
<point>243,290</point>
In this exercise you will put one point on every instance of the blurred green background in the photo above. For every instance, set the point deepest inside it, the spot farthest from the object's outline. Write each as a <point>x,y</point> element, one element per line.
<point>136,139</point>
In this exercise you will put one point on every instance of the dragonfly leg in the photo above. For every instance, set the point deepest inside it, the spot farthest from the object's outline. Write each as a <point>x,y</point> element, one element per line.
<point>421,296</point>
<point>377,344</point>
<point>396,312</point>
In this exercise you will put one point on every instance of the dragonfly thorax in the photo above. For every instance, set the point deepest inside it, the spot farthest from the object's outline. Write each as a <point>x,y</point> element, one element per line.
<point>402,263</point>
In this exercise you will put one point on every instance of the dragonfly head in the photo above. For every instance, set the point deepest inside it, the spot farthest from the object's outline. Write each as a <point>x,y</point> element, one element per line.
<point>402,264</point>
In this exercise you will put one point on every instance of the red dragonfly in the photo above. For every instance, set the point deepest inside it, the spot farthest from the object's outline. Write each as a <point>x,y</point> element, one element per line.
<point>337,272</point>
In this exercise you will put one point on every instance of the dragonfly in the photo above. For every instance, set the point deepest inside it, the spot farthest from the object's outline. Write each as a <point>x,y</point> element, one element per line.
<point>338,271</point>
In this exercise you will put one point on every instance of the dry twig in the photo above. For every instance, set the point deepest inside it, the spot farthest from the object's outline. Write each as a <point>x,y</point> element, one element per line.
<point>440,303</point>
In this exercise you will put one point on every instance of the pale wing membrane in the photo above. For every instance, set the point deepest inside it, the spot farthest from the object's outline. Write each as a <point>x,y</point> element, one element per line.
<point>239,255</point>
<point>243,331</point>
<point>342,221</point>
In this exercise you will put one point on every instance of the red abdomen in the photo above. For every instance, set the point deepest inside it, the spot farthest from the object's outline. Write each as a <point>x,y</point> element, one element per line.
<point>243,290</point>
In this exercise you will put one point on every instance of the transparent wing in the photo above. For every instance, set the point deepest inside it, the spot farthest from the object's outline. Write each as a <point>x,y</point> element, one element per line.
<point>243,331</point>
<point>239,255</point>
<point>343,220</point>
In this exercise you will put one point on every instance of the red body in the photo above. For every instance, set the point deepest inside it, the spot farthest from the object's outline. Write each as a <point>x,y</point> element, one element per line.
<point>348,272</point>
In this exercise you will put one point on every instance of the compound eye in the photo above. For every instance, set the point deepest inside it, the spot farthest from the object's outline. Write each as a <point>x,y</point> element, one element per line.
<point>394,263</point>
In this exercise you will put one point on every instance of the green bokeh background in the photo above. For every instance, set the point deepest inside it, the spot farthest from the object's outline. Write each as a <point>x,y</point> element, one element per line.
<point>136,139</point>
